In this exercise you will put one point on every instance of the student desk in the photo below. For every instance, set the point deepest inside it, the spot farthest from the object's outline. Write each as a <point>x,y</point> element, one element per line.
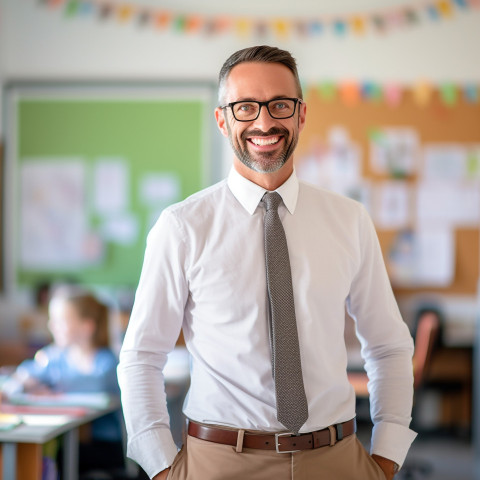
<point>21,452</point>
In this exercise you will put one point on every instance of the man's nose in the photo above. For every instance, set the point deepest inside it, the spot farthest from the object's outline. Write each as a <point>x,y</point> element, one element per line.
<point>264,120</point>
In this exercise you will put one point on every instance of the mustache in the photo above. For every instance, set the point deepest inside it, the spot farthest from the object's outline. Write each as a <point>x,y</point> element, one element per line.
<point>259,133</point>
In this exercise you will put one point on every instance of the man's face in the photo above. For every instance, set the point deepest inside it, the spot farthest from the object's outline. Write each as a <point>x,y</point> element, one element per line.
<point>266,144</point>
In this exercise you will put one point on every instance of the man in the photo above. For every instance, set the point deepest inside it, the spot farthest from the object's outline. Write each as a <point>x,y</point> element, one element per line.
<point>205,271</point>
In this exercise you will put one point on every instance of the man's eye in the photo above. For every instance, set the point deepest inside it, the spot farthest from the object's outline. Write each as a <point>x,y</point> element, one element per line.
<point>245,107</point>
<point>280,106</point>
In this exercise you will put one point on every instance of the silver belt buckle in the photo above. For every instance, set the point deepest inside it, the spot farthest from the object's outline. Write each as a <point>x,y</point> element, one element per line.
<point>277,443</point>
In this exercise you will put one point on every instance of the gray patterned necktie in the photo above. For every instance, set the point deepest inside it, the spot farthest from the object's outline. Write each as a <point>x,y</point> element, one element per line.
<point>292,408</point>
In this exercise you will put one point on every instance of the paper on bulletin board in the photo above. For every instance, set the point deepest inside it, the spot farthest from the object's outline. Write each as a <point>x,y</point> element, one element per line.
<point>392,205</point>
<point>345,161</point>
<point>362,192</point>
<point>54,226</point>
<point>159,189</point>
<point>122,229</point>
<point>454,204</point>
<point>423,257</point>
<point>451,162</point>
<point>436,256</point>
<point>394,151</point>
<point>111,185</point>
<point>473,162</point>
<point>444,162</point>
<point>334,165</point>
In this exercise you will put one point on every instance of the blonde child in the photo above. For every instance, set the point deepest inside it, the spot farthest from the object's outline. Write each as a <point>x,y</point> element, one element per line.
<point>78,361</point>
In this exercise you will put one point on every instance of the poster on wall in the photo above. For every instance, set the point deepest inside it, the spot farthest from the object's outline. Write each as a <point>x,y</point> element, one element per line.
<point>54,224</point>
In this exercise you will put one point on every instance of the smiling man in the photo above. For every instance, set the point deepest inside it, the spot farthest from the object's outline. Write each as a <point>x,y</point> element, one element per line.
<point>258,271</point>
<point>263,135</point>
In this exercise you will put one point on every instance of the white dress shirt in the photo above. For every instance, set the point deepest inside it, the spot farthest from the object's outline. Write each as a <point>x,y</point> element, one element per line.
<point>204,271</point>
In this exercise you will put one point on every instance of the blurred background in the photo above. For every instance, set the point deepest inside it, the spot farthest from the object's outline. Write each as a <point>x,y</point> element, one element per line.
<point>107,118</point>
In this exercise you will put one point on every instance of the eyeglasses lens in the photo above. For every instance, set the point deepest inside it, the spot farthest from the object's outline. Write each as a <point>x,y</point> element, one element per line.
<point>245,111</point>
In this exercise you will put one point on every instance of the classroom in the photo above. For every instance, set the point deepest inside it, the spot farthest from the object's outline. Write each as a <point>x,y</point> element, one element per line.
<point>107,118</point>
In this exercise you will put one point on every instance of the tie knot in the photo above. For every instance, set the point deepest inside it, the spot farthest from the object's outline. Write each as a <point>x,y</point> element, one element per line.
<point>272,200</point>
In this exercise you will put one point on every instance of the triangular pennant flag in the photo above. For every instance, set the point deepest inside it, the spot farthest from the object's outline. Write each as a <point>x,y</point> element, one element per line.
<point>281,28</point>
<point>179,23</point>
<point>448,94</point>
<point>261,28</point>
<point>242,27</point>
<point>471,93</point>
<point>445,8</point>
<point>378,22</point>
<point>316,27</point>
<point>358,25</point>
<point>371,91</point>
<point>327,90</point>
<point>162,20</point>
<point>105,11</point>
<point>124,13</point>
<point>422,93</point>
<point>340,27</point>
<point>71,8</point>
<point>222,24</point>
<point>193,23</point>
<point>86,8</point>
<point>433,13</point>
<point>350,93</point>
<point>392,94</point>
<point>396,19</point>
<point>301,28</point>
<point>144,17</point>
<point>411,16</point>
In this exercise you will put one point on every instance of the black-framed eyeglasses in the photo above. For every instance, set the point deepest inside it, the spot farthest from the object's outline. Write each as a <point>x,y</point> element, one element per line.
<point>249,110</point>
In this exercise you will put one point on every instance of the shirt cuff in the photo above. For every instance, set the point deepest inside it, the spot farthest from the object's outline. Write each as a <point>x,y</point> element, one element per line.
<point>154,450</point>
<point>392,441</point>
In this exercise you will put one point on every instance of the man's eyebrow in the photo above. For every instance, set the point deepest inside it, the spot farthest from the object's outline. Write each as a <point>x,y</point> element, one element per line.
<point>245,99</point>
<point>250,99</point>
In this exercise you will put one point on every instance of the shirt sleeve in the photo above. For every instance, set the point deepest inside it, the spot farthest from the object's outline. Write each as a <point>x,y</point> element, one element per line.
<point>387,349</point>
<point>152,332</point>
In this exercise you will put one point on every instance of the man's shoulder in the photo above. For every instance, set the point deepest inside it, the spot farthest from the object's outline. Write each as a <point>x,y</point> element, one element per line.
<point>201,199</point>
<point>197,209</point>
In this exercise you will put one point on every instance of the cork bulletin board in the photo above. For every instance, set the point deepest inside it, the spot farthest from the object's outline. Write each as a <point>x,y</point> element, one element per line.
<point>435,122</point>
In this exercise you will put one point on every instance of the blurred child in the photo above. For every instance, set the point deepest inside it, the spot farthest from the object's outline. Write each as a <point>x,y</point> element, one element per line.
<point>78,361</point>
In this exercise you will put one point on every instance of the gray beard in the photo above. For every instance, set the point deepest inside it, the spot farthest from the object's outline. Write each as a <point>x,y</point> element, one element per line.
<point>267,163</point>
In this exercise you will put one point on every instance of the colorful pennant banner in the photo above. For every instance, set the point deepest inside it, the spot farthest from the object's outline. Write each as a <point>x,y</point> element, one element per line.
<point>196,23</point>
<point>422,92</point>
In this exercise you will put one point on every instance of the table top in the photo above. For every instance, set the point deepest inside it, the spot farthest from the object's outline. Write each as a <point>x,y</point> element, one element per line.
<point>39,424</point>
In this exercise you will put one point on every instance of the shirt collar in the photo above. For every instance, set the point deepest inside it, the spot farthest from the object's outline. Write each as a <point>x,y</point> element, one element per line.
<point>249,194</point>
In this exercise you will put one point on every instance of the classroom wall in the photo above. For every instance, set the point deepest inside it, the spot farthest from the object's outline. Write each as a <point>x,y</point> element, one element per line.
<point>39,43</point>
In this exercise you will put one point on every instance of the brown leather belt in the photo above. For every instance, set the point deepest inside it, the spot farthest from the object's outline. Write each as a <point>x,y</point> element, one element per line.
<point>281,442</point>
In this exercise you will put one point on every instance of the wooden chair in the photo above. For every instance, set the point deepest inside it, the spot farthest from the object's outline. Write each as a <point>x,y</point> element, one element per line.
<point>426,336</point>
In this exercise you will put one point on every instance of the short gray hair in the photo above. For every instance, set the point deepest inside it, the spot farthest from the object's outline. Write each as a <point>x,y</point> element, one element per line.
<point>260,54</point>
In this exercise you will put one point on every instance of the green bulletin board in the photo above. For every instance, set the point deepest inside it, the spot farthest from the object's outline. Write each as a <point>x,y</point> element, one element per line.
<point>123,155</point>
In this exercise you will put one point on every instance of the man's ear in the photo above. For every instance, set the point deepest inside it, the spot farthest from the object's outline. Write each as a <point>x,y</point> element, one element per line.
<point>221,121</point>
<point>302,116</point>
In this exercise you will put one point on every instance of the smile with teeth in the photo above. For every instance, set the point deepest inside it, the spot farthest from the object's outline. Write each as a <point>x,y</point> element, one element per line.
<point>263,141</point>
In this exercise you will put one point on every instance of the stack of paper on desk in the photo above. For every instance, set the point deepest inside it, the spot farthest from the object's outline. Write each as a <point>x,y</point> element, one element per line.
<point>9,421</point>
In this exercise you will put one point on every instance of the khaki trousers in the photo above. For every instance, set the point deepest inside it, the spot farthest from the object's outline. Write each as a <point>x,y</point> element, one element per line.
<point>202,460</point>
